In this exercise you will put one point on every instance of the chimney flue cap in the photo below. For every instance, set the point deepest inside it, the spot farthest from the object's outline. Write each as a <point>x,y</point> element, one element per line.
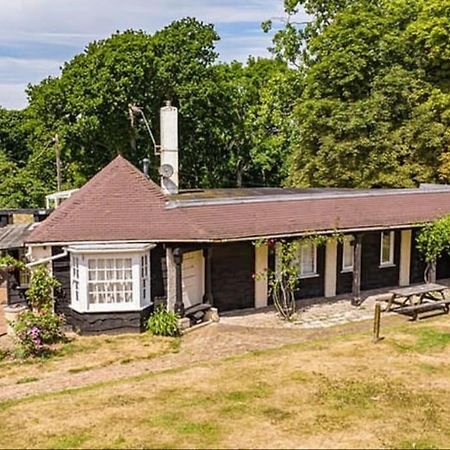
<point>145,167</point>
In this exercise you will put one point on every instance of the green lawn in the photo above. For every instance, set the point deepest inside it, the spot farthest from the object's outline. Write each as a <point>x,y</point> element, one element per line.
<point>337,392</point>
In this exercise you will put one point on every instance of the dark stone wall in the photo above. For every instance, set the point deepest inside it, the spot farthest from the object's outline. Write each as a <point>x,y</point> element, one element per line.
<point>4,220</point>
<point>418,265</point>
<point>372,275</point>
<point>443,267</point>
<point>344,280</point>
<point>232,266</point>
<point>110,323</point>
<point>158,274</point>
<point>61,271</point>
<point>314,286</point>
<point>13,294</point>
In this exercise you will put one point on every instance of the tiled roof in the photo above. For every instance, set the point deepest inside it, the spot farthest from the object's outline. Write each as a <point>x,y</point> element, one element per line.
<point>120,204</point>
<point>13,236</point>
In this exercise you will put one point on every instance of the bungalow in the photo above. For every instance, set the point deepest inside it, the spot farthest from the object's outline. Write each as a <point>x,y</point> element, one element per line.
<point>15,226</point>
<point>122,244</point>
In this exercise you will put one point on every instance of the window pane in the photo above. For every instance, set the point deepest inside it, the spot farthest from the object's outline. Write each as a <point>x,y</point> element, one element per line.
<point>307,259</point>
<point>111,280</point>
<point>386,248</point>
<point>348,253</point>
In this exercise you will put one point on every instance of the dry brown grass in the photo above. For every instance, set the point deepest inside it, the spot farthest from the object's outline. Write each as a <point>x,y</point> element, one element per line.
<point>340,392</point>
<point>84,353</point>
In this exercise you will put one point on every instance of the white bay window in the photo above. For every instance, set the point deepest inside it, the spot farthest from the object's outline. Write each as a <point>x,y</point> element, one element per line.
<point>110,277</point>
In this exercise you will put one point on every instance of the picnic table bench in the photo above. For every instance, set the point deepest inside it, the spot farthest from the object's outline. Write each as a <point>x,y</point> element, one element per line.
<point>429,297</point>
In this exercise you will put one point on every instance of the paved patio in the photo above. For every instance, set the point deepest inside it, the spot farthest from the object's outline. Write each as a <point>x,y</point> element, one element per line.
<point>315,313</point>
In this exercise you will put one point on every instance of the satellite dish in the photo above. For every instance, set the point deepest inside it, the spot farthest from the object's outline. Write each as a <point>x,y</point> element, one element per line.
<point>169,186</point>
<point>166,170</point>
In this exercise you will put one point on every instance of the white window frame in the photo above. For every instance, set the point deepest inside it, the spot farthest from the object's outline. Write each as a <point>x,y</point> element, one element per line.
<point>302,273</point>
<point>75,279</point>
<point>98,286</point>
<point>390,262</point>
<point>138,280</point>
<point>348,247</point>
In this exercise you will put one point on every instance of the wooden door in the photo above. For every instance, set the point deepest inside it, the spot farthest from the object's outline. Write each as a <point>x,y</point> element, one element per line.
<point>193,271</point>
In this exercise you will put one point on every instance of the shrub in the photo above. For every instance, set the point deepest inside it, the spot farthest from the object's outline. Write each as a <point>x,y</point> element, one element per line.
<point>40,292</point>
<point>34,332</point>
<point>163,323</point>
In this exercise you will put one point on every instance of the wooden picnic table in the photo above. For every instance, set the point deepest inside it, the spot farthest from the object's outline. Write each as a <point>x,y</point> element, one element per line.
<point>429,296</point>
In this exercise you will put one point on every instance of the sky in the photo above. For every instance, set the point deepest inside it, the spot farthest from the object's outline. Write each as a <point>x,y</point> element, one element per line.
<point>38,36</point>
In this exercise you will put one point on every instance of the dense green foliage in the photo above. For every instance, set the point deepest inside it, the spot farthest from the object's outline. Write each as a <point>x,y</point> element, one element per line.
<point>232,131</point>
<point>433,240</point>
<point>375,106</point>
<point>358,96</point>
<point>40,291</point>
<point>10,264</point>
<point>163,323</point>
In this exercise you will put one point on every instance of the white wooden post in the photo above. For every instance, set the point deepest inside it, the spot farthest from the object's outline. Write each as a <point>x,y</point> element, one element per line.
<point>171,280</point>
<point>405,258</point>
<point>261,282</point>
<point>330,268</point>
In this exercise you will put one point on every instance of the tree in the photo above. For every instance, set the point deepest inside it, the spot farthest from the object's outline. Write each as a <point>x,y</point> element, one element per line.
<point>88,105</point>
<point>433,241</point>
<point>234,126</point>
<point>374,108</point>
<point>19,188</point>
<point>14,135</point>
<point>256,140</point>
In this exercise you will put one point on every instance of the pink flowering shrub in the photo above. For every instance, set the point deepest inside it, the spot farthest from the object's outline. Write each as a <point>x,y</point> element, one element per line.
<point>37,329</point>
<point>34,332</point>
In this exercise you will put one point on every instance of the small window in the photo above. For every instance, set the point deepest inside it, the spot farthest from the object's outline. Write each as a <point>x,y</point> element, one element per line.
<point>75,278</point>
<point>347,254</point>
<point>144,277</point>
<point>387,248</point>
<point>308,260</point>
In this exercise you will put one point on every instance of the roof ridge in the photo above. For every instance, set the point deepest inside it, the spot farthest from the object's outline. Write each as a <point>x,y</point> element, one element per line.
<point>119,178</point>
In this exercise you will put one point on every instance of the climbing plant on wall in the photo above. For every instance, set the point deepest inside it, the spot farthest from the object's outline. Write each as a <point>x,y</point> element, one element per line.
<point>433,241</point>
<point>284,280</point>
